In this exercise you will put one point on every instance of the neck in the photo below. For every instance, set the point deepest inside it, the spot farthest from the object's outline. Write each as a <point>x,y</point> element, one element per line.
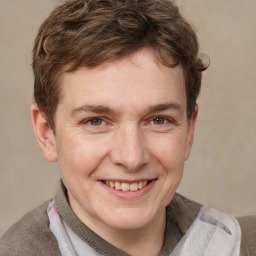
<point>144,241</point>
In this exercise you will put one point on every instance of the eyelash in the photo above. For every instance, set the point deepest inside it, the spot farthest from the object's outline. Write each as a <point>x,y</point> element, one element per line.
<point>89,121</point>
<point>161,118</point>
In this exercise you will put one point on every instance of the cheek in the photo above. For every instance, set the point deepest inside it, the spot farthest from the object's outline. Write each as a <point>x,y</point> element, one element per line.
<point>80,156</point>
<point>169,150</point>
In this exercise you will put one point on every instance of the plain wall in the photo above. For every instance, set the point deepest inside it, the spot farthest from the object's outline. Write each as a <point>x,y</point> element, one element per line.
<point>220,171</point>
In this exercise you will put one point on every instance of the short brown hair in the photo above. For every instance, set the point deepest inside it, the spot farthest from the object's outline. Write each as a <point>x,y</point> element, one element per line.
<point>87,33</point>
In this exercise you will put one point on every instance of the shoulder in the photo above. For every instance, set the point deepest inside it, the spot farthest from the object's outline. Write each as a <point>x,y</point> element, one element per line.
<point>31,235</point>
<point>248,229</point>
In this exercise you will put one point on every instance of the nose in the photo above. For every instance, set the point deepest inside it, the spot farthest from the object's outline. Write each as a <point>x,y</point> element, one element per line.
<point>129,148</point>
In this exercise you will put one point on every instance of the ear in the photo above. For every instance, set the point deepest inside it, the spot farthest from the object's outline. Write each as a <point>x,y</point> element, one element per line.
<point>190,132</point>
<point>44,134</point>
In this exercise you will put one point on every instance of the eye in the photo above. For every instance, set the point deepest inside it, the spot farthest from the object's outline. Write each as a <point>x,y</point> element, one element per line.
<point>159,120</point>
<point>96,121</point>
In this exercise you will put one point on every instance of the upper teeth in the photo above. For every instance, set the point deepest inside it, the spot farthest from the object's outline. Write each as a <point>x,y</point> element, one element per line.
<point>126,186</point>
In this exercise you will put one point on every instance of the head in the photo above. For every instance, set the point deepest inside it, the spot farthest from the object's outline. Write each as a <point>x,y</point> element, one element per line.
<point>88,33</point>
<point>116,84</point>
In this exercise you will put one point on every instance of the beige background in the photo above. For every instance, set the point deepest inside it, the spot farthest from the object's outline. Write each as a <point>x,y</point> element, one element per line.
<point>221,169</point>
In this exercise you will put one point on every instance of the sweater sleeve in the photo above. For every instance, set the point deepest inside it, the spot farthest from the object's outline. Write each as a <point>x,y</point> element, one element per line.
<point>248,229</point>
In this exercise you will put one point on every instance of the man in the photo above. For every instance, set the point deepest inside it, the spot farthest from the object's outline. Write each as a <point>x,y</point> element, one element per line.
<point>116,84</point>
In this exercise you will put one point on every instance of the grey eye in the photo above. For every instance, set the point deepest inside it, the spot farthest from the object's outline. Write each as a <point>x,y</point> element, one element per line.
<point>159,120</point>
<point>96,121</point>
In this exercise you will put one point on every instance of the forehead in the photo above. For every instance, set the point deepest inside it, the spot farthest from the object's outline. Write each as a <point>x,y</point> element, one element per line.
<point>134,79</point>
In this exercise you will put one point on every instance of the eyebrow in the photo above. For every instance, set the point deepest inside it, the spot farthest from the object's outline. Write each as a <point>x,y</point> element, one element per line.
<point>99,109</point>
<point>90,108</point>
<point>163,107</point>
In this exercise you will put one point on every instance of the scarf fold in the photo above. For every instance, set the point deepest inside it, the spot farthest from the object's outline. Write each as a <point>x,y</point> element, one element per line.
<point>212,233</point>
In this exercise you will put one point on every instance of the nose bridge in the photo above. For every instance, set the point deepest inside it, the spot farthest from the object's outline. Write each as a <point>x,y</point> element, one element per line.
<point>129,147</point>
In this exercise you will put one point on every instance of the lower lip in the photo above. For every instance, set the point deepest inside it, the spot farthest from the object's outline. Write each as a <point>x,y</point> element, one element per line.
<point>130,195</point>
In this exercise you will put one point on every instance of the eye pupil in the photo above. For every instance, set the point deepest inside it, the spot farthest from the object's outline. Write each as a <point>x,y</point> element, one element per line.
<point>96,121</point>
<point>159,120</point>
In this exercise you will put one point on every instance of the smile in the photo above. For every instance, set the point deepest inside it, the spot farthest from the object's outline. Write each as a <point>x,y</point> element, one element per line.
<point>123,186</point>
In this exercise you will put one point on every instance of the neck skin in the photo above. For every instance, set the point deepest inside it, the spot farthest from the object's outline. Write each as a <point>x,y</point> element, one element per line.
<point>147,240</point>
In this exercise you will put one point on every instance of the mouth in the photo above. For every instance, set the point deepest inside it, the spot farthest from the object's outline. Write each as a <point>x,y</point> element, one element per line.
<point>124,186</point>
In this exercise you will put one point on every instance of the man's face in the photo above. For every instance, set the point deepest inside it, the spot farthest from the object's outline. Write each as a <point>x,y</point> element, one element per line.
<point>121,140</point>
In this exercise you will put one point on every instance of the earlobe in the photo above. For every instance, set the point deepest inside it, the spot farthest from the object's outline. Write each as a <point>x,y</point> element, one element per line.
<point>44,134</point>
<point>190,132</point>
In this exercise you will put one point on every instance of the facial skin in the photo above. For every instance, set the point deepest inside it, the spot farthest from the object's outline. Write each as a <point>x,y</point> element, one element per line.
<point>123,121</point>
